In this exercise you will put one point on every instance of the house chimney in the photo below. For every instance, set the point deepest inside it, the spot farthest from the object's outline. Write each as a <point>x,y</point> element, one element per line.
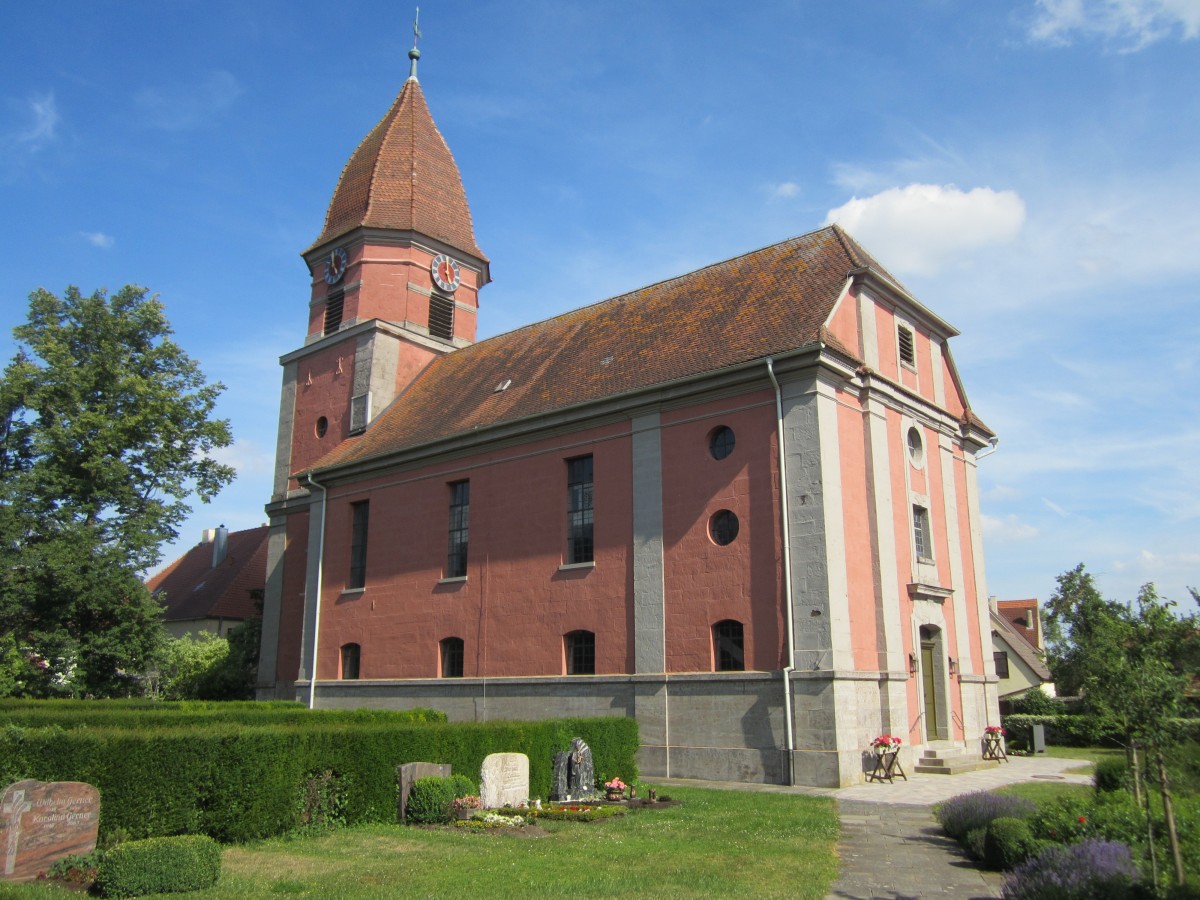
<point>220,545</point>
<point>208,535</point>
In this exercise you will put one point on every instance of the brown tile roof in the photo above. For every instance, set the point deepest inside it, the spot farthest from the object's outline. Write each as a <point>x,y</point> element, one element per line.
<point>193,588</point>
<point>1020,646</point>
<point>403,176</point>
<point>765,302</point>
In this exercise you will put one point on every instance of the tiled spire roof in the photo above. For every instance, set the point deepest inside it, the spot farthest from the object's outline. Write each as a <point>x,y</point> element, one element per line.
<point>403,176</point>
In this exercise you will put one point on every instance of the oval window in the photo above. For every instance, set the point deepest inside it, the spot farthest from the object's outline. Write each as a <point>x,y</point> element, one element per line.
<point>322,426</point>
<point>916,447</point>
<point>721,442</point>
<point>723,527</point>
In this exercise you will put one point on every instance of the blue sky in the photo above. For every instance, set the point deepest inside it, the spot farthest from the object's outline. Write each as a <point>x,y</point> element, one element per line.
<point>1029,169</point>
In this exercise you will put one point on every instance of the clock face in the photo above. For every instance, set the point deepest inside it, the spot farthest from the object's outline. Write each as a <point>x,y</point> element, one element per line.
<point>446,273</point>
<point>335,266</point>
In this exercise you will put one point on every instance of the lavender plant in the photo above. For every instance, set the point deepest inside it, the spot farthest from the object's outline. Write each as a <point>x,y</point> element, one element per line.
<point>1089,870</point>
<point>967,812</point>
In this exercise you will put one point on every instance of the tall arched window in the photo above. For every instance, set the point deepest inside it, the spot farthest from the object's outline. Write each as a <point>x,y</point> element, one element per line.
<point>451,657</point>
<point>350,659</point>
<point>580,649</point>
<point>728,650</point>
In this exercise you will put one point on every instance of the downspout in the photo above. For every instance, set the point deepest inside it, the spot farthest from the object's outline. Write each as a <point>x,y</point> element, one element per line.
<point>312,676</point>
<point>995,442</point>
<point>786,537</point>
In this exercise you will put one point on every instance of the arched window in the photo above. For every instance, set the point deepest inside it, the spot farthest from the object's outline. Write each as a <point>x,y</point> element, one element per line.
<point>580,649</point>
<point>351,653</point>
<point>728,650</point>
<point>452,657</point>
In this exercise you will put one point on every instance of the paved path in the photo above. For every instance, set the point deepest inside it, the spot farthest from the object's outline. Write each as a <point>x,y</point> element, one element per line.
<point>892,848</point>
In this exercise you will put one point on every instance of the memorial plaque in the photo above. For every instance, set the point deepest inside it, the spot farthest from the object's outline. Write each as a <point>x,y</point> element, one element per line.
<point>407,773</point>
<point>42,822</point>
<point>504,780</point>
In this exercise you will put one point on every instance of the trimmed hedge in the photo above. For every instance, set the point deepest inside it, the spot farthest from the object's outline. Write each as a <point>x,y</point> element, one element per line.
<point>165,865</point>
<point>431,801</point>
<point>1078,731</point>
<point>147,714</point>
<point>243,783</point>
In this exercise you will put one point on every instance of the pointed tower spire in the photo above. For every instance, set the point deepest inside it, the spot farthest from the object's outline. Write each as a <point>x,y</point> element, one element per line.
<point>414,54</point>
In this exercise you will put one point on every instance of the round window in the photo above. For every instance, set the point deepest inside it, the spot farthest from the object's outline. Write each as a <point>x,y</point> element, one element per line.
<point>721,442</point>
<point>916,447</point>
<point>723,527</point>
<point>322,426</point>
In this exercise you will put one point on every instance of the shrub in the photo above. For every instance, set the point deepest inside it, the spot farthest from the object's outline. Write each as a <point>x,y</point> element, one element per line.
<point>1036,702</point>
<point>1090,870</point>
<point>463,786</point>
<point>975,843</point>
<point>323,800</point>
<point>1109,816</point>
<point>1112,774</point>
<point>1008,843</point>
<point>160,866</point>
<point>961,814</point>
<point>431,801</point>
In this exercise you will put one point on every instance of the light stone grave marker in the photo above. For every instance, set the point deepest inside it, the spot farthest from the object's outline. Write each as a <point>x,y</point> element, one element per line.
<point>504,780</point>
<point>42,822</point>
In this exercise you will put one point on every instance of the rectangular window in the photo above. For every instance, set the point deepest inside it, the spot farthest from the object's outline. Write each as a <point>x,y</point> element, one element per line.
<point>452,657</point>
<point>1001,659</point>
<point>908,349</point>
<point>921,540</point>
<point>460,514</point>
<point>334,303</point>
<point>580,514</point>
<point>358,544</point>
<point>581,653</point>
<point>351,654</point>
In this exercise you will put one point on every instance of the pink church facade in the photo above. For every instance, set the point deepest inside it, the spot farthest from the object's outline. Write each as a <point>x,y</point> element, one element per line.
<point>739,505</point>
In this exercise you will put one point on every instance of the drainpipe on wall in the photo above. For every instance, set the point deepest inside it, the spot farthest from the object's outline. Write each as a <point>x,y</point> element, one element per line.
<point>787,577</point>
<point>312,676</point>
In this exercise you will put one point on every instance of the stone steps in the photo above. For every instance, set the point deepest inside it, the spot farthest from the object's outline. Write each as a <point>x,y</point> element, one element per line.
<point>947,761</point>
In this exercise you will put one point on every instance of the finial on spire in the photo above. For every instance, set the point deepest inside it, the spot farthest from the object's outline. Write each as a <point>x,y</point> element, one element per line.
<point>414,54</point>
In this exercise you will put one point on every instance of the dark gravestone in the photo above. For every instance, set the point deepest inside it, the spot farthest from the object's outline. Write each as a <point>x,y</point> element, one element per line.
<point>42,822</point>
<point>407,773</point>
<point>574,773</point>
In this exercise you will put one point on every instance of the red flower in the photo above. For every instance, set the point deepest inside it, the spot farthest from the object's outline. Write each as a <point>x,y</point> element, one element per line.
<point>1083,820</point>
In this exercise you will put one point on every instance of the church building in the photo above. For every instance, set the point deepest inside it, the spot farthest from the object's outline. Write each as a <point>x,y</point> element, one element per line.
<point>739,505</point>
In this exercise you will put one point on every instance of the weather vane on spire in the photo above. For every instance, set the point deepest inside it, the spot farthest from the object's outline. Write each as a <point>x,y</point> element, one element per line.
<point>414,54</point>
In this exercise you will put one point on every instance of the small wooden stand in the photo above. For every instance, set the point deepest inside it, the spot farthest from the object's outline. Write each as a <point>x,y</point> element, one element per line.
<point>887,767</point>
<point>993,748</point>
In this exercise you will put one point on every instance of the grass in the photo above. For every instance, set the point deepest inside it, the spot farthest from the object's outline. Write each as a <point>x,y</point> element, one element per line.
<point>714,842</point>
<point>1045,792</point>
<point>1090,755</point>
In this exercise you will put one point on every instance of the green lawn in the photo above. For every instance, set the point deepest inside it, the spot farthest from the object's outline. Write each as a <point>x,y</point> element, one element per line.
<point>1089,755</point>
<point>713,843</point>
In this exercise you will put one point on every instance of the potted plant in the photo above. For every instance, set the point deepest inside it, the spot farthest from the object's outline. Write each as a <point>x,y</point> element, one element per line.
<point>886,743</point>
<point>615,789</point>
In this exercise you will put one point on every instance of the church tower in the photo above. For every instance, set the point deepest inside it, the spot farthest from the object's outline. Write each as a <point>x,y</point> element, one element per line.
<point>395,274</point>
<point>395,278</point>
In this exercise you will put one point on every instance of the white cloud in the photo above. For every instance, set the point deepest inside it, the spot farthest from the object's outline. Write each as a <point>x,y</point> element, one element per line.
<point>99,239</point>
<point>918,229</point>
<point>1135,24</point>
<point>1055,508</point>
<point>38,117</point>
<point>246,457</point>
<point>785,190</point>
<point>1005,529</point>
<point>183,107</point>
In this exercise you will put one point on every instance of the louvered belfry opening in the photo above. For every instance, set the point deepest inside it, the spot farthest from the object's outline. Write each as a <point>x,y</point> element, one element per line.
<point>333,311</point>
<point>441,317</point>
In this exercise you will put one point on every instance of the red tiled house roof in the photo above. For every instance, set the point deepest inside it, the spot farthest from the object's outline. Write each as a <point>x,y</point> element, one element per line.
<point>763,303</point>
<point>403,177</point>
<point>192,588</point>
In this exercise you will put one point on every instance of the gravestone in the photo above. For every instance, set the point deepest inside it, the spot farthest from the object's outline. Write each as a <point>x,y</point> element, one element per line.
<point>407,773</point>
<point>42,822</point>
<point>504,780</point>
<point>574,773</point>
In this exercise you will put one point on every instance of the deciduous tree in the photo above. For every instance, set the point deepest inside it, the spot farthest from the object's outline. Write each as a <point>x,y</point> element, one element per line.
<point>106,430</point>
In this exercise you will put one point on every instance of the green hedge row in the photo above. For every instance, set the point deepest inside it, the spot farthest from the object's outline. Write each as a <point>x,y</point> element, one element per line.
<point>144,714</point>
<point>168,865</point>
<point>1077,731</point>
<point>243,783</point>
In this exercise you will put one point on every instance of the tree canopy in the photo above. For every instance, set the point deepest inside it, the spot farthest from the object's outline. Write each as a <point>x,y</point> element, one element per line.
<point>106,431</point>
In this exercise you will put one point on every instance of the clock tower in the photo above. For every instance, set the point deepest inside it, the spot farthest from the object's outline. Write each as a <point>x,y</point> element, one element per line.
<point>395,276</point>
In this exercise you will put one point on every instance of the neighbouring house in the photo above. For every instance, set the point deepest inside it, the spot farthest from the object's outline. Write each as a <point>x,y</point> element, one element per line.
<point>1018,648</point>
<point>216,585</point>
<point>739,505</point>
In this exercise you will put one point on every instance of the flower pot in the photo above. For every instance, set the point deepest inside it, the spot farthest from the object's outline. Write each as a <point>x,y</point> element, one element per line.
<point>612,794</point>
